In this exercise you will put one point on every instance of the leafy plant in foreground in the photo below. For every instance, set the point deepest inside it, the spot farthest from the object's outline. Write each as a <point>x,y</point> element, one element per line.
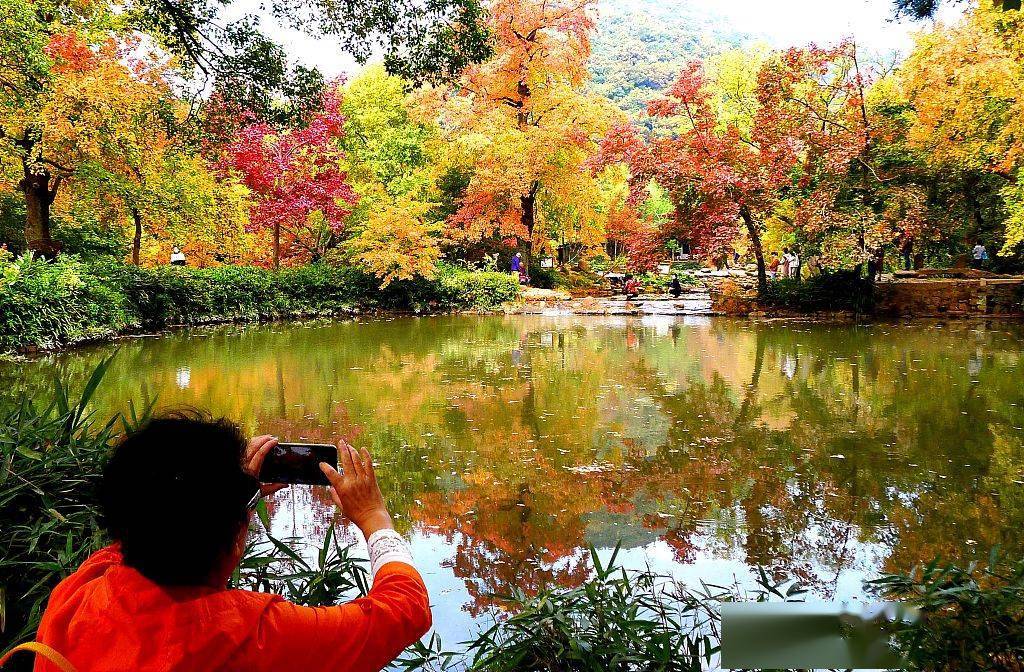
<point>619,620</point>
<point>51,457</point>
<point>271,565</point>
<point>972,617</point>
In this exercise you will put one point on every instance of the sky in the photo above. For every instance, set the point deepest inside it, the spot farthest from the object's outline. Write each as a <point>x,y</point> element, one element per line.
<point>780,22</point>
<point>795,22</point>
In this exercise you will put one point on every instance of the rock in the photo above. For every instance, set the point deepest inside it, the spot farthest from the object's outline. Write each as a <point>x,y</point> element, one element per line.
<point>538,294</point>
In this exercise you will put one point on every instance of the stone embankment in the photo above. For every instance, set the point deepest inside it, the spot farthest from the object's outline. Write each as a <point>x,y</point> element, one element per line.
<point>952,297</point>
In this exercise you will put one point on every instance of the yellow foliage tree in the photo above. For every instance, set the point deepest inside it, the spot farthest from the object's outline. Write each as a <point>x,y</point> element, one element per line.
<point>526,126</point>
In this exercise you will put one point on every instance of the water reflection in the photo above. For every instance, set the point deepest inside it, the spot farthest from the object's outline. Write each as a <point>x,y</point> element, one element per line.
<point>705,446</point>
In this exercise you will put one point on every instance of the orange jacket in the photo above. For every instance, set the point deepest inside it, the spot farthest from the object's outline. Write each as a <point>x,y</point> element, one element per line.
<point>108,616</point>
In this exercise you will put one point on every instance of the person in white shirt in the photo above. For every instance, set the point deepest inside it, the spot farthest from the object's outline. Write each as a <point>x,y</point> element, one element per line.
<point>177,257</point>
<point>794,265</point>
<point>980,255</point>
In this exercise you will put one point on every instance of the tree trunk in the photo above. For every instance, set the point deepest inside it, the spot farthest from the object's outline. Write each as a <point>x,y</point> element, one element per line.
<point>755,243</point>
<point>974,206</point>
<point>38,198</point>
<point>137,238</point>
<point>277,245</point>
<point>528,217</point>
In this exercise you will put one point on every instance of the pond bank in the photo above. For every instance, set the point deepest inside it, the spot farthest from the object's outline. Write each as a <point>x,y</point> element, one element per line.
<point>894,298</point>
<point>49,305</point>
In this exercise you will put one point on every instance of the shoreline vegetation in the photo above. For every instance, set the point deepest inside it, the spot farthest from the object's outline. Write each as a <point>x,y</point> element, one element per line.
<point>52,452</point>
<point>48,305</point>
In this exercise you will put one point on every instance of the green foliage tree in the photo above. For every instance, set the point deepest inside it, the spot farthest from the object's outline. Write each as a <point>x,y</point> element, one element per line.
<point>391,157</point>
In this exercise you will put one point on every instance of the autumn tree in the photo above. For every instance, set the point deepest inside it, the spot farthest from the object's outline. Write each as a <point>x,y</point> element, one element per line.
<point>963,86</point>
<point>526,124</point>
<point>301,191</point>
<point>122,148</point>
<point>81,103</point>
<point>722,167</point>
<point>31,39</point>
<point>390,158</point>
<point>859,192</point>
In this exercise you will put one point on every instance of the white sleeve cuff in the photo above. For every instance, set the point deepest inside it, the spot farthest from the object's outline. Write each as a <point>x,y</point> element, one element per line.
<point>387,546</point>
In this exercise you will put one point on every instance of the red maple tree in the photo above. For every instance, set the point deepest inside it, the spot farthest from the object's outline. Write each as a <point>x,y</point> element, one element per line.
<point>301,191</point>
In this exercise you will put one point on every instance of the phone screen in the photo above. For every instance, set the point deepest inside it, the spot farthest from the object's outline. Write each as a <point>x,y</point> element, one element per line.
<point>298,463</point>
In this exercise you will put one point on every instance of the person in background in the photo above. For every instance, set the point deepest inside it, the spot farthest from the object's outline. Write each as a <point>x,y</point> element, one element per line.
<point>794,264</point>
<point>177,497</point>
<point>784,265</point>
<point>177,256</point>
<point>675,287</point>
<point>632,287</point>
<point>773,267</point>
<point>980,255</point>
<point>517,263</point>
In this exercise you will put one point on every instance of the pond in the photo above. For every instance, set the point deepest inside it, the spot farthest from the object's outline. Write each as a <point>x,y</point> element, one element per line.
<point>706,446</point>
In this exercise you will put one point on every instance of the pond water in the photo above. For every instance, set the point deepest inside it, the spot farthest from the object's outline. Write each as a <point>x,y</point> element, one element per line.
<point>707,447</point>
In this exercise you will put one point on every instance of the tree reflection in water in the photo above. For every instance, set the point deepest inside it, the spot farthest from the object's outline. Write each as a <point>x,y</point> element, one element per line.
<point>816,451</point>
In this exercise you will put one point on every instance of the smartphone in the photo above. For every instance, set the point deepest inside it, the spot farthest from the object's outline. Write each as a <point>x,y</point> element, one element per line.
<point>298,463</point>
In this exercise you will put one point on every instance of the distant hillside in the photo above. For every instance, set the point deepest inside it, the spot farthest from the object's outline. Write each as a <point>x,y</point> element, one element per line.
<point>641,45</point>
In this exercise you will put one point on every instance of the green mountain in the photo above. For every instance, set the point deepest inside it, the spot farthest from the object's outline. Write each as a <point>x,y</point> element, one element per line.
<point>641,45</point>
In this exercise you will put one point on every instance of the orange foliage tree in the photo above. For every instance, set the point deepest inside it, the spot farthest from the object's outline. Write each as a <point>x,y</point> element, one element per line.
<point>526,125</point>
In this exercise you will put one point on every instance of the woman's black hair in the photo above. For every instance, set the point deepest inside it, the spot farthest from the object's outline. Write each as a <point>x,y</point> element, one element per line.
<point>174,495</point>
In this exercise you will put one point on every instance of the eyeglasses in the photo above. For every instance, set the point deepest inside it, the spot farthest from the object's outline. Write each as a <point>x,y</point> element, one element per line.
<point>254,500</point>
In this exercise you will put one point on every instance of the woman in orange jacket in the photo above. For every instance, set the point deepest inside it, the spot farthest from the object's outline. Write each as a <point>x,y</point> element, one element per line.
<point>177,497</point>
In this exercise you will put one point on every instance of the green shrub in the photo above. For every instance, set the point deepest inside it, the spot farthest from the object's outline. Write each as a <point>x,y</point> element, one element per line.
<point>91,240</point>
<point>53,303</point>
<point>628,621</point>
<point>47,304</point>
<point>544,278</point>
<point>12,222</point>
<point>843,290</point>
<point>321,289</point>
<point>459,289</point>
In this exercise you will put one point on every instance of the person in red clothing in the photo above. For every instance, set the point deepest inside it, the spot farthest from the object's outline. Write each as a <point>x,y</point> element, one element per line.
<point>177,497</point>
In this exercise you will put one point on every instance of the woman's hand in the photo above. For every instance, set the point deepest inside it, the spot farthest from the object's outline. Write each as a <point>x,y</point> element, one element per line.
<point>255,453</point>
<point>355,490</point>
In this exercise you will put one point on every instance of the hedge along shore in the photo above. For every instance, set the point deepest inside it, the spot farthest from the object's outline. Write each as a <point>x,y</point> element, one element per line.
<point>48,305</point>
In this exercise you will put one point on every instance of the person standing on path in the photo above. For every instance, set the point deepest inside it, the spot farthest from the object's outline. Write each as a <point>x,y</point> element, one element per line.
<point>980,255</point>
